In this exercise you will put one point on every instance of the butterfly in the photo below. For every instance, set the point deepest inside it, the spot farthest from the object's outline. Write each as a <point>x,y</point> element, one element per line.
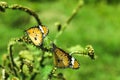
<point>37,33</point>
<point>63,60</point>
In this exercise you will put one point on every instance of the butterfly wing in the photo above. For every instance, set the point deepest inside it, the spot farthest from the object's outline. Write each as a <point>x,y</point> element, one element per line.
<point>74,63</point>
<point>35,35</point>
<point>63,59</point>
<point>44,30</point>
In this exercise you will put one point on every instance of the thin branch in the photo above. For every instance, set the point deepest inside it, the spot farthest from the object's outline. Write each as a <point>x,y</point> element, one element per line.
<point>75,11</point>
<point>4,5</point>
<point>78,52</point>
<point>88,51</point>
<point>13,65</point>
<point>29,11</point>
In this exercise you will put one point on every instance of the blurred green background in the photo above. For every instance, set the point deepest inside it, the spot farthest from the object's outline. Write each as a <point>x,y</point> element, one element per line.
<point>96,23</point>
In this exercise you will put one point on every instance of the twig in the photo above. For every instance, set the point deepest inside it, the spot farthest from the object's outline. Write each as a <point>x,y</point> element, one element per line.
<point>78,52</point>
<point>29,11</point>
<point>88,51</point>
<point>75,11</point>
<point>13,65</point>
<point>4,5</point>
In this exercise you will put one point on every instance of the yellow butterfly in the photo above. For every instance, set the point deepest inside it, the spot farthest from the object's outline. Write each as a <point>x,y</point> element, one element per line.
<point>37,33</point>
<point>62,59</point>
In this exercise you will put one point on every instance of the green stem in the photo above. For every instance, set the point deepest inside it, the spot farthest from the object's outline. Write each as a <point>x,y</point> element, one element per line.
<point>75,11</point>
<point>4,6</point>
<point>13,65</point>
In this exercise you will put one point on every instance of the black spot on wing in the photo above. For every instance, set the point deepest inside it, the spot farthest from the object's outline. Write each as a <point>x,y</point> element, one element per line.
<point>35,38</point>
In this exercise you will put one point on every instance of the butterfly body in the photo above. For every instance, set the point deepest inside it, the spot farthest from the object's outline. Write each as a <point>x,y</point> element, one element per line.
<point>63,60</point>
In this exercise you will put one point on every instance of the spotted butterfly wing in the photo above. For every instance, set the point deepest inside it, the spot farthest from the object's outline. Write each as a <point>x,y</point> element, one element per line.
<point>74,63</point>
<point>63,59</point>
<point>35,35</point>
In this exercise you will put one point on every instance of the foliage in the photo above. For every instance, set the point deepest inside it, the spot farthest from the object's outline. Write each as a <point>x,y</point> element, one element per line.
<point>94,24</point>
<point>27,64</point>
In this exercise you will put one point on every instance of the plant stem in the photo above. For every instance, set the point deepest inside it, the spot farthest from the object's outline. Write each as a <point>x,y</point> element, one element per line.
<point>4,5</point>
<point>75,11</point>
<point>13,65</point>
